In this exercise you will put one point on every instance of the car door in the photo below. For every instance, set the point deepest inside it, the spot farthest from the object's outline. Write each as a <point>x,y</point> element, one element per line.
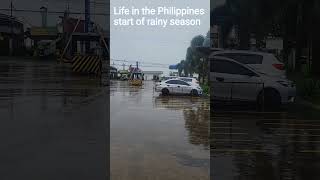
<point>173,86</point>
<point>185,87</point>
<point>245,82</point>
<point>219,80</point>
<point>233,81</point>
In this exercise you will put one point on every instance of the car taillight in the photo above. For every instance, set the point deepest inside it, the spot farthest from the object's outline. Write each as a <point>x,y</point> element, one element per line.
<point>278,66</point>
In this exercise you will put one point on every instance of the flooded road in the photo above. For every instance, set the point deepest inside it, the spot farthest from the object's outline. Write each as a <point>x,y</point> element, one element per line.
<point>155,137</point>
<point>264,146</point>
<point>53,122</point>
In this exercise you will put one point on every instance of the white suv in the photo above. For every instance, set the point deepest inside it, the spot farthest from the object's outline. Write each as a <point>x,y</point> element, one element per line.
<point>233,81</point>
<point>262,62</point>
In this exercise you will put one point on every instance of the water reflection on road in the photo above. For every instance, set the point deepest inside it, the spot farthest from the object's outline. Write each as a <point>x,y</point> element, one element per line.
<point>52,122</point>
<point>155,137</point>
<point>264,146</point>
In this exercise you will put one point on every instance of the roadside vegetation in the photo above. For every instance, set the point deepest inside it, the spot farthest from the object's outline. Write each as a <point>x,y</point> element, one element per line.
<point>195,63</point>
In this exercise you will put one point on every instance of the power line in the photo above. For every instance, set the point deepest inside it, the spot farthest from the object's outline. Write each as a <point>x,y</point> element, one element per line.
<point>53,12</point>
<point>142,62</point>
<point>121,65</point>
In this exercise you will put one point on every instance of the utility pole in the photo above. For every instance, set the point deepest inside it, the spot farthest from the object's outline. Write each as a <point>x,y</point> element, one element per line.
<point>87,23</point>
<point>123,66</point>
<point>137,64</point>
<point>11,29</point>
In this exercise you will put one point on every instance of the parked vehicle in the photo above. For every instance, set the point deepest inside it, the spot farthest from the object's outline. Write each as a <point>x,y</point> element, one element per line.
<point>262,62</point>
<point>177,86</point>
<point>235,82</point>
<point>46,48</point>
<point>164,78</point>
<point>124,78</point>
<point>189,80</point>
<point>136,76</point>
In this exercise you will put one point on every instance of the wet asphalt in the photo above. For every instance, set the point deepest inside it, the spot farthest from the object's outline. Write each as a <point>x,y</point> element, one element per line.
<point>156,137</point>
<point>54,126</point>
<point>53,123</point>
<point>254,145</point>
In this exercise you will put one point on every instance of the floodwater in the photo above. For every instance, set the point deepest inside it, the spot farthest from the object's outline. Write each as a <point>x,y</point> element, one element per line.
<point>155,137</point>
<point>265,145</point>
<point>52,122</point>
<point>54,126</point>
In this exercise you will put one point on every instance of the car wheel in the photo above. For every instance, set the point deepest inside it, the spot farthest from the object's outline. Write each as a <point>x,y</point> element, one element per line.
<point>269,99</point>
<point>194,92</point>
<point>165,92</point>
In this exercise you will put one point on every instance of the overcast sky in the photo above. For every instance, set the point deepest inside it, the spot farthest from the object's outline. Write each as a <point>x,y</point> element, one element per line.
<point>155,44</point>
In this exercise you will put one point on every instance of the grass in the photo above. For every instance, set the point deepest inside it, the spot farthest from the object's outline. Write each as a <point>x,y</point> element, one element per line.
<point>206,89</point>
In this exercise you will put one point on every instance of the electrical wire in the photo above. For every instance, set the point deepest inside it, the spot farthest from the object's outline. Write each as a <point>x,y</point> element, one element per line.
<point>53,12</point>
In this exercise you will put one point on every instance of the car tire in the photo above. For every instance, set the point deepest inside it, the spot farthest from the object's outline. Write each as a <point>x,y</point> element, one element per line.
<point>165,92</point>
<point>194,93</point>
<point>269,99</point>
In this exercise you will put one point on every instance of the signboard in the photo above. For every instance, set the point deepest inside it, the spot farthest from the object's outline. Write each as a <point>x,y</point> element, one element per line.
<point>48,31</point>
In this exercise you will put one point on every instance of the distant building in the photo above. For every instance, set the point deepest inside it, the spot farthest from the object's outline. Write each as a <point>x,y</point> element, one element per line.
<point>152,75</point>
<point>10,27</point>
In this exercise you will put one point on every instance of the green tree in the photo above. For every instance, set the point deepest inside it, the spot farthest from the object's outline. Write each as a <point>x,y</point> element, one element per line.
<point>180,67</point>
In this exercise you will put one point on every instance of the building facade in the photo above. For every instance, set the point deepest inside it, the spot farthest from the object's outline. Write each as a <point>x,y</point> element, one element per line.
<point>11,35</point>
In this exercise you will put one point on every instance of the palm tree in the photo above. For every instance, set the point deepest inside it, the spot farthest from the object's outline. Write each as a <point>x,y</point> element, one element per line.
<point>180,67</point>
<point>187,65</point>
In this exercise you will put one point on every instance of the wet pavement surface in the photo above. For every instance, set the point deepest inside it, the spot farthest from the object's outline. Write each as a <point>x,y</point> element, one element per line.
<point>53,126</point>
<point>155,137</point>
<point>53,122</point>
<point>265,145</point>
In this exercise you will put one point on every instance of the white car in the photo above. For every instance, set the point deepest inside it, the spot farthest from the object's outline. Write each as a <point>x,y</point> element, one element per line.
<point>262,62</point>
<point>189,80</point>
<point>233,81</point>
<point>177,86</point>
<point>168,77</point>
